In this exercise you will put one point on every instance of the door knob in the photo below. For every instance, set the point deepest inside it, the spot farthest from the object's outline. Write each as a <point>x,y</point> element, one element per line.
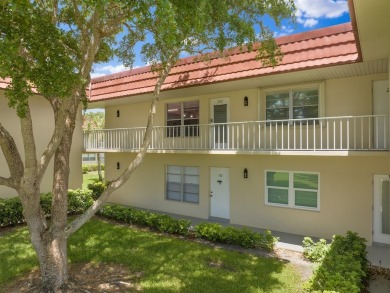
<point>211,194</point>
<point>219,181</point>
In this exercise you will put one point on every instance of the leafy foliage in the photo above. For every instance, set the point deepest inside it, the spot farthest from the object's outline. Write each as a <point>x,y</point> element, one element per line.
<point>202,27</point>
<point>158,222</point>
<point>344,267</point>
<point>11,210</point>
<point>230,235</point>
<point>315,251</point>
<point>97,187</point>
<point>34,53</point>
<point>91,168</point>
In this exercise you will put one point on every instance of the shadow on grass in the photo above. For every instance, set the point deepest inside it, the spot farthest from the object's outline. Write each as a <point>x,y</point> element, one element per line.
<point>17,255</point>
<point>169,264</point>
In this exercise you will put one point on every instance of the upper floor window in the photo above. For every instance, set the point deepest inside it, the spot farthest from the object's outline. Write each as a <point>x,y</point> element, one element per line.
<point>183,119</point>
<point>294,103</point>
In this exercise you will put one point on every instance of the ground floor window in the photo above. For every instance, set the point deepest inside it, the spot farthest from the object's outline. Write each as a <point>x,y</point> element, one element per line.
<point>292,189</point>
<point>182,183</point>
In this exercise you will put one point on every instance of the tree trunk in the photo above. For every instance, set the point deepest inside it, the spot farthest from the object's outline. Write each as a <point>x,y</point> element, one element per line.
<point>99,166</point>
<point>53,263</point>
<point>50,245</point>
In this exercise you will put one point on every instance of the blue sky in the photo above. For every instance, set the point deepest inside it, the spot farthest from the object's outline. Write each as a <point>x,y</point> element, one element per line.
<point>311,14</point>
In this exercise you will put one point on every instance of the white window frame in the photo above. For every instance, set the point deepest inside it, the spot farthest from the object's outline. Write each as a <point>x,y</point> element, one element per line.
<point>182,174</point>
<point>321,97</point>
<point>182,119</point>
<point>291,190</point>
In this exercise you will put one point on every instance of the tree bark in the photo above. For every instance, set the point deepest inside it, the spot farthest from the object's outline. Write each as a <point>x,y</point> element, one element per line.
<point>99,166</point>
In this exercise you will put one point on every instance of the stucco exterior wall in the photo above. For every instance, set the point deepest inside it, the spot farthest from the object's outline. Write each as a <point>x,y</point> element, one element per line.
<point>345,190</point>
<point>346,193</point>
<point>43,123</point>
<point>343,97</point>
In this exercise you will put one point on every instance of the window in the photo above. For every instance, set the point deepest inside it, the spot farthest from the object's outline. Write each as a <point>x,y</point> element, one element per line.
<point>183,119</point>
<point>89,157</point>
<point>292,189</point>
<point>182,183</point>
<point>297,103</point>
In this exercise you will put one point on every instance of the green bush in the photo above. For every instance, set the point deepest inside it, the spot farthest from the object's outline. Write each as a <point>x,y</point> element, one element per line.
<point>315,251</point>
<point>11,210</point>
<point>158,222</point>
<point>230,235</point>
<point>91,168</point>
<point>97,187</point>
<point>344,267</point>
<point>79,200</point>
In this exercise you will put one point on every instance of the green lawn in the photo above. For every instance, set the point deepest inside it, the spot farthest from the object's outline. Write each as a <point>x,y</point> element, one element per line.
<point>167,264</point>
<point>88,178</point>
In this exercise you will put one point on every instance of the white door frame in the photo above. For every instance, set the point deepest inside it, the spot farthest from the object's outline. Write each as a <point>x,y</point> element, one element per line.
<point>213,102</point>
<point>380,92</point>
<point>378,235</point>
<point>220,192</point>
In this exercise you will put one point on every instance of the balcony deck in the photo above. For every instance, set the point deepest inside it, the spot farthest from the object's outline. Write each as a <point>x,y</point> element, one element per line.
<point>316,135</point>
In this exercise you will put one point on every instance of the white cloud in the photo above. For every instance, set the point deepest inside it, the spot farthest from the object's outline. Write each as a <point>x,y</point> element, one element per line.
<point>107,69</point>
<point>284,31</point>
<point>309,11</point>
<point>307,22</point>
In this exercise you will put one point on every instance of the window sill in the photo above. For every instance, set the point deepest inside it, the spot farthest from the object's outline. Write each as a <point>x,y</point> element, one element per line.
<point>293,207</point>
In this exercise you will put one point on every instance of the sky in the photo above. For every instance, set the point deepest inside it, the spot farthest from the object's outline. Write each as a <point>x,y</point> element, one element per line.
<point>310,15</point>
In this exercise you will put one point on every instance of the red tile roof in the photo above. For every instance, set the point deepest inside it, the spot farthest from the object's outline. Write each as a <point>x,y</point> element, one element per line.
<point>312,49</point>
<point>4,83</point>
<point>318,48</point>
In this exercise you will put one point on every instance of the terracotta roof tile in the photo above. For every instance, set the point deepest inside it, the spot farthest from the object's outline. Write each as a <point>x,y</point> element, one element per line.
<point>323,47</point>
<point>307,50</point>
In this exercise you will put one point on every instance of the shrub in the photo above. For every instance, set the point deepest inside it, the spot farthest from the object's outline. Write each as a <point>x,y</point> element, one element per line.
<point>97,187</point>
<point>85,169</point>
<point>315,251</point>
<point>158,222</point>
<point>230,235</point>
<point>91,168</point>
<point>344,267</point>
<point>11,210</point>
<point>79,200</point>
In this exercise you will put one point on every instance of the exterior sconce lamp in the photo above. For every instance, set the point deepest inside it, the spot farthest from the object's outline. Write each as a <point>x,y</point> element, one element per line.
<point>118,113</point>
<point>246,102</point>
<point>118,165</point>
<point>245,173</point>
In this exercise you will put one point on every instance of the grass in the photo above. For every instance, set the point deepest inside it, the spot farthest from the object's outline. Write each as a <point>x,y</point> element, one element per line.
<point>165,264</point>
<point>89,177</point>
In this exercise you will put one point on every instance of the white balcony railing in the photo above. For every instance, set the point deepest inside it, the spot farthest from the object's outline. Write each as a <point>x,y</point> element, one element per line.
<point>369,132</point>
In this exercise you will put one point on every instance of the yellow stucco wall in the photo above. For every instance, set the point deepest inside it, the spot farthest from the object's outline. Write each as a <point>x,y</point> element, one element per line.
<point>346,193</point>
<point>345,190</point>
<point>343,97</point>
<point>43,123</point>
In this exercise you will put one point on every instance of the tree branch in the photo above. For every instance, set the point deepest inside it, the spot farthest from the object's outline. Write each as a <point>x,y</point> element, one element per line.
<point>30,158</point>
<point>88,214</point>
<point>6,182</point>
<point>12,157</point>
<point>60,107</point>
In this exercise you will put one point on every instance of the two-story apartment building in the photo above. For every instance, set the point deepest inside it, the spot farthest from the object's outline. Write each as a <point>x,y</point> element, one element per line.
<point>43,125</point>
<point>300,148</point>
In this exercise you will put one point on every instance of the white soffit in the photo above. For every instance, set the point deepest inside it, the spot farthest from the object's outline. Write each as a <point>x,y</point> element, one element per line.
<point>296,77</point>
<point>373,23</point>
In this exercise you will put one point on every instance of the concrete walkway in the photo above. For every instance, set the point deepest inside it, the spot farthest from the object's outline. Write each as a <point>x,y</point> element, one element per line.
<point>377,254</point>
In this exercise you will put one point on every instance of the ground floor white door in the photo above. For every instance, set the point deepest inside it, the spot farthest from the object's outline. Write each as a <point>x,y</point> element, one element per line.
<point>382,209</point>
<point>219,193</point>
